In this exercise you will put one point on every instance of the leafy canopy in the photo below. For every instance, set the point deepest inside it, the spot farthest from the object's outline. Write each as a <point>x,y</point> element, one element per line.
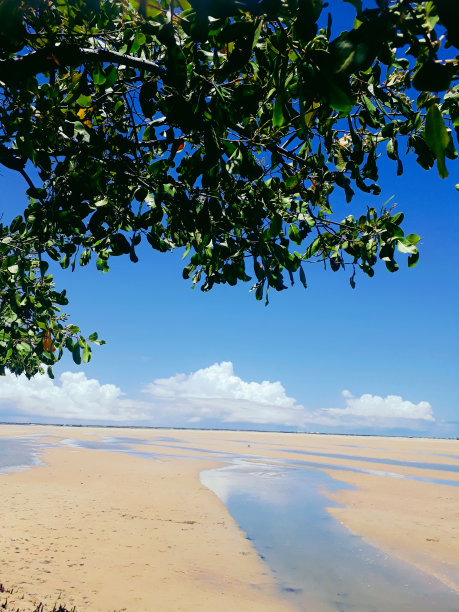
<point>221,127</point>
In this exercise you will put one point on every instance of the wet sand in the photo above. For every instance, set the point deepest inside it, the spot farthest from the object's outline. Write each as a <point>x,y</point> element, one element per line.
<point>110,531</point>
<point>416,522</point>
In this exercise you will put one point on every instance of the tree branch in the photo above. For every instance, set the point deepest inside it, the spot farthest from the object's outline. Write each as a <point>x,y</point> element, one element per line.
<point>21,67</point>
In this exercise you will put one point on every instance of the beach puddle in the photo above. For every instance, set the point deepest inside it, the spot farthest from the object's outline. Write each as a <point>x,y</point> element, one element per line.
<point>106,443</point>
<point>396,462</point>
<point>362,470</point>
<point>319,565</point>
<point>18,453</point>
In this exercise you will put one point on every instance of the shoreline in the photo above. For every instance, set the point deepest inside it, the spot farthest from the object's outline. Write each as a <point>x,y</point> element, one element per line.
<point>229,430</point>
<point>411,520</point>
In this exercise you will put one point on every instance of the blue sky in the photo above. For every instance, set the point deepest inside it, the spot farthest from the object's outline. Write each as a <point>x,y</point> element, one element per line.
<point>382,358</point>
<point>395,335</point>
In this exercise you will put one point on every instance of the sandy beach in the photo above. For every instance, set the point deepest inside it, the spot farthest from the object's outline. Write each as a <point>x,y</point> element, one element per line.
<point>106,531</point>
<point>102,531</point>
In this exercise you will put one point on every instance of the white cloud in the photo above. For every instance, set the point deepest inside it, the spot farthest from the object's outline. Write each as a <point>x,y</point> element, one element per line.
<point>373,407</point>
<point>219,381</point>
<point>217,393</point>
<point>76,397</point>
<point>210,394</point>
<point>209,397</point>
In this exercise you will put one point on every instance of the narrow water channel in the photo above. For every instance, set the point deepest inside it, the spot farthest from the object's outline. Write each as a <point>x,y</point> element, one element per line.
<point>319,565</point>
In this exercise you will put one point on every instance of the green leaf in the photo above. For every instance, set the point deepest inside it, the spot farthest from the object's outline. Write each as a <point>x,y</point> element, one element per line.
<point>405,246</point>
<point>313,248</point>
<point>111,75</point>
<point>292,181</point>
<point>87,353</point>
<point>433,76</point>
<point>84,101</point>
<point>140,38</point>
<point>98,77</point>
<point>294,234</point>
<point>81,131</point>
<point>369,104</point>
<point>390,148</point>
<point>413,238</point>
<point>176,74</point>
<point>147,9</point>
<point>76,353</point>
<point>102,264</point>
<point>339,99</point>
<point>278,113</point>
<point>352,279</point>
<point>392,265</point>
<point>413,259</point>
<point>303,278</point>
<point>437,137</point>
<point>256,34</point>
<point>120,245</point>
<point>276,226</point>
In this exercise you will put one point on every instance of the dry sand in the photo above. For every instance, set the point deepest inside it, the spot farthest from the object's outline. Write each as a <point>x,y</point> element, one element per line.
<point>110,531</point>
<point>107,531</point>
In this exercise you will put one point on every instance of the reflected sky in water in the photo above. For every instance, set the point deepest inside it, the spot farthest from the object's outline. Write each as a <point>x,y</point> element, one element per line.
<point>319,565</point>
<point>417,464</point>
<point>18,453</point>
<point>361,470</point>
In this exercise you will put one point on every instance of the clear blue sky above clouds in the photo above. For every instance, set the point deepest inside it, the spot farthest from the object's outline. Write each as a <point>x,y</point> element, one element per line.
<point>394,335</point>
<point>177,357</point>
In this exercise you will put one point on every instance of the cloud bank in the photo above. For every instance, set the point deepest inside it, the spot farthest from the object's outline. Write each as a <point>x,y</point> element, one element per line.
<point>210,397</point>
<point>376,407</point>
<point>217,393</point>
<point>76,397</point>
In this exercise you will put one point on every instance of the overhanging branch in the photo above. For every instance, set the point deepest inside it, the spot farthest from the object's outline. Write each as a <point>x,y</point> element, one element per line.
<point>21,67</point>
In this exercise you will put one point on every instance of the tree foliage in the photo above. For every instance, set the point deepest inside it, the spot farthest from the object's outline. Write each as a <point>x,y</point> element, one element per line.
<point>220,126</point>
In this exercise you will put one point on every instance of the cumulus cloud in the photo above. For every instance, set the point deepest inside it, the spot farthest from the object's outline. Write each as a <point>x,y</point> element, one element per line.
<point>373,407</point>
<point>210,397</point>
<point>75,397</point>
<point>217,393</point>
<point>214,394</point>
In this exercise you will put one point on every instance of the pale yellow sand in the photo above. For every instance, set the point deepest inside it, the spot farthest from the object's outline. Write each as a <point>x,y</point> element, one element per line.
<point>111,531</point>
<point>128,532</point>
<point>417,522</point>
